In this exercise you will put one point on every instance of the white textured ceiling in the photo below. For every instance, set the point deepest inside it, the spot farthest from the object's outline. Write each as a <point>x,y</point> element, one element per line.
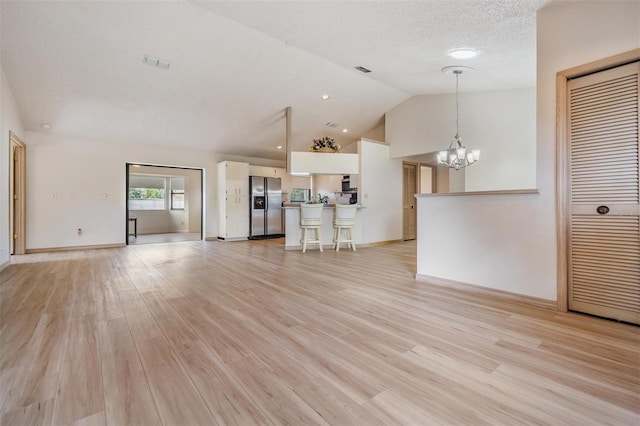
<point>235,66</point>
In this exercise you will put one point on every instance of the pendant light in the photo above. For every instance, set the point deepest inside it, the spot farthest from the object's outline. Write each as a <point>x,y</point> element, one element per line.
<point>457,156</point>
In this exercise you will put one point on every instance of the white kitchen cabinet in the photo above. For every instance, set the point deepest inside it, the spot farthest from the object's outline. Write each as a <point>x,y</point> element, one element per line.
<point>233,200</point>
<point>267,171</point>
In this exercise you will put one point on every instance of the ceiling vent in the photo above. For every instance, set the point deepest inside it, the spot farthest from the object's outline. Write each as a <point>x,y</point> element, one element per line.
<point>155,62</point>
<point>332,124</point>
<point>363,69</point>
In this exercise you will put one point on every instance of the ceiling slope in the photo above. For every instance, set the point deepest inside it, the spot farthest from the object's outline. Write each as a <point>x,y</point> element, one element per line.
<point>235,66</point>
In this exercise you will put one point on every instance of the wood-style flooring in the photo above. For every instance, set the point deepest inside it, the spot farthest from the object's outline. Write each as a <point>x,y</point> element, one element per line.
<point>247,333</point>
<point>172,237</point>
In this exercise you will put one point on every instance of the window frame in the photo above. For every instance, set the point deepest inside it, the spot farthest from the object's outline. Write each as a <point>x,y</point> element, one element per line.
<point>177,192</point>
<point>164,200</point>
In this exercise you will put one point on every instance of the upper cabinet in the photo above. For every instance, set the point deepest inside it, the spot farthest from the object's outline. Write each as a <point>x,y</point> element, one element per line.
<point>267,171</point>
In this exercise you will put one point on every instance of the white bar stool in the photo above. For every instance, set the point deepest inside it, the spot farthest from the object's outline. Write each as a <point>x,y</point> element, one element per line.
<point>310,218</point>
<point>343,222</point>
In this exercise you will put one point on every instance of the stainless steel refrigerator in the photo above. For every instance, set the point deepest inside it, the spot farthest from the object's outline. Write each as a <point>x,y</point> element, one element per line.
<point>266,207</point>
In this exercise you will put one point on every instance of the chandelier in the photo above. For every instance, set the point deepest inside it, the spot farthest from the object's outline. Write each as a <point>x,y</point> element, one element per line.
<point>457,156</point>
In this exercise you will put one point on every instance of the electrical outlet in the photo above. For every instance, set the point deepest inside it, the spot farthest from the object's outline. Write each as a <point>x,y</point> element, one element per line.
<point>105,196</point>
<point>79,231</point>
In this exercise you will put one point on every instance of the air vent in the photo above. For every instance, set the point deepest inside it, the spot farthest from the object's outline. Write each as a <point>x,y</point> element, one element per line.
<point>363,69</point>
<point>155,62</point>
<point>332,124</point>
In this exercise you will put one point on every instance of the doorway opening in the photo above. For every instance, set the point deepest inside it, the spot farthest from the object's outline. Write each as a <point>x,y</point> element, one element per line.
<point>410,185</point>
<point>17,195</point>
<point>164,204</point>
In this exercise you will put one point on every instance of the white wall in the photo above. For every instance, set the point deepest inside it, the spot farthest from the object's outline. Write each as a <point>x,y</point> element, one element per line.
<point>193,200</point>
<point>505,242</point>
<point>377,134</point>
<point>9,121</point>
<point>380,192</point>
<point>426,180</point>
<point>66,180</point>
<point>508,242</point>
<point>501,124</point>
<point>327,185</point>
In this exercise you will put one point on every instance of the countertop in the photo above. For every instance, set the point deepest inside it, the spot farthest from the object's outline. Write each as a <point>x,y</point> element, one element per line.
<point>297,206</point>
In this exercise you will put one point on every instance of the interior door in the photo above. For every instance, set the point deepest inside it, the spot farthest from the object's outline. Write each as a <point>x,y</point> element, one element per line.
<point>409,189</point>
<point>604,240</point>
<point>17,195</point>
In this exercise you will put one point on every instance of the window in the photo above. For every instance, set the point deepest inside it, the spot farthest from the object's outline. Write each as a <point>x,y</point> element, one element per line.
<point>146,199</point>
<point>177,199</point>
<point>299,195</point>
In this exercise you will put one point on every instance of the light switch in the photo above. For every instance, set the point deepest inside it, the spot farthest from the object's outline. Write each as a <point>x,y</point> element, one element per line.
<point>105,196</point>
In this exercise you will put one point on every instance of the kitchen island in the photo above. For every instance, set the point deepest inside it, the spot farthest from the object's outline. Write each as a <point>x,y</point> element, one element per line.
<point>293,233</point>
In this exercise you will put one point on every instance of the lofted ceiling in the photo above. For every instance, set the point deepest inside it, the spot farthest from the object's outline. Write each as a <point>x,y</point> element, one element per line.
<point>236,65</point>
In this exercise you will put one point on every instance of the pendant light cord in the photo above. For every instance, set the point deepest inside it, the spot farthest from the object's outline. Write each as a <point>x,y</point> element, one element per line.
<point>457,73</point>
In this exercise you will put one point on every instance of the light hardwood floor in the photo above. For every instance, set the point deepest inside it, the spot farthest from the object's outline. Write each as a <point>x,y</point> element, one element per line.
<point>245,333</point>
<point>172,237</point>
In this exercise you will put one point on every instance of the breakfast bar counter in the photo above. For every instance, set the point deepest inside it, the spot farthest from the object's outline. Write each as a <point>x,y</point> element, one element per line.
<point>293,233</point>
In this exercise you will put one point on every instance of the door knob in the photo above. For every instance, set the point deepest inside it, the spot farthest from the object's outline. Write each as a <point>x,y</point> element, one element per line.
<point>602,209</point>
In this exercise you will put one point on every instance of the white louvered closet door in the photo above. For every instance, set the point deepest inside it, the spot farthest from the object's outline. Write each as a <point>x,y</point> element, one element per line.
<point>604,243</point>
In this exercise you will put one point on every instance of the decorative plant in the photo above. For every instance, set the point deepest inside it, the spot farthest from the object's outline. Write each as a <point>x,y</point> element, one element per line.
<point>323,199</point>
<point>325,142</point>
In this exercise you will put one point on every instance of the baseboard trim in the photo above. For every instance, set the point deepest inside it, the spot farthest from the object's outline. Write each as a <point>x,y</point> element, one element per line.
<point>5,264</point>
<point>72,248</point>
<point>485,291</point>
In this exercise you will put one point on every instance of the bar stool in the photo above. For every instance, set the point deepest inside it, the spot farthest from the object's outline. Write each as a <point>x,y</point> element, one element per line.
<point>310,218</point>
<point>343,222</point>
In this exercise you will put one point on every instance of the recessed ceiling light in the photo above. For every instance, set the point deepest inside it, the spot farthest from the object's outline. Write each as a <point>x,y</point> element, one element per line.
<point>345,130</point>
<point>45,125</point>
<point>463,53</point>
<point>279,147</point>
<point>325,97</point>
